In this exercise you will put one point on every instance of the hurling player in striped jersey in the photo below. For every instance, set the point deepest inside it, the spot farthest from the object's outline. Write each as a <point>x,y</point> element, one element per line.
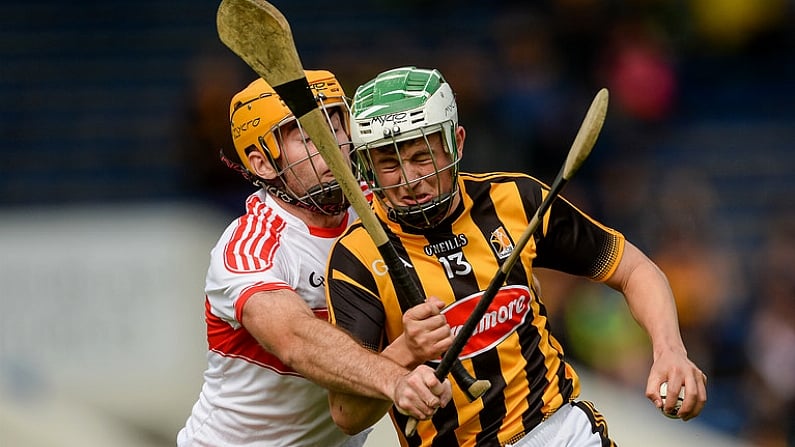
<point>271,348</point>
<point>453,230</point>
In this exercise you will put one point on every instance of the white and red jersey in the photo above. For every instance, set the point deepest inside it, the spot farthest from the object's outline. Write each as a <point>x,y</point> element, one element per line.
<point>249,396</point>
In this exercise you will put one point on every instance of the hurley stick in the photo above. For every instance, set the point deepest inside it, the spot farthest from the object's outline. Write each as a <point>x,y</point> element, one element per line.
<point>580,149</point>
<point>260,35</point>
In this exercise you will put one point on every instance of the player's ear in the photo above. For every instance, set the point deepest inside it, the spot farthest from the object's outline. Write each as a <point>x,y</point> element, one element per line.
<point>460,136</point>
<point>261,166</point>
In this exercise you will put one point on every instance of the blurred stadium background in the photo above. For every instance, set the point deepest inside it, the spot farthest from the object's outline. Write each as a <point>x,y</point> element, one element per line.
<point>111,191</point>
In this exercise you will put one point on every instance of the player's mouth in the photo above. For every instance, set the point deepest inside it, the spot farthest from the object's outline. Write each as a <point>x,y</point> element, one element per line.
<point>416,199</point>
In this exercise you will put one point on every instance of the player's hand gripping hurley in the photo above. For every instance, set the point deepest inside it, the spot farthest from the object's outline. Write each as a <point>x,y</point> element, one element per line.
<point>260,35</point>
<point>580,149</point>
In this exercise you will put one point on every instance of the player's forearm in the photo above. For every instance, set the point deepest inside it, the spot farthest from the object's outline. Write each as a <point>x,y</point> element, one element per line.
<point>286,327</point>
<point>334,360</point>
<point>355,413</point>
<point>650,299</point>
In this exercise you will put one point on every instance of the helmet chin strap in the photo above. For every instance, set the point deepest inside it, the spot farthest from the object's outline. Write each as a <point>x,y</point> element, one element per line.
<point>326,198</point>
<point>240,169</point>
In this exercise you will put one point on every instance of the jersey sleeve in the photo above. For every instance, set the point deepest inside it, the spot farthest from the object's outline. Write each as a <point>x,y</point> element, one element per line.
<point>230,283</point>
<point>352,298</point>
<point>574,243</point>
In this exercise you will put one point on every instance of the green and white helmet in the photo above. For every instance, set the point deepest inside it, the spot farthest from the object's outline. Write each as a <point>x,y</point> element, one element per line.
<point>399,105</point>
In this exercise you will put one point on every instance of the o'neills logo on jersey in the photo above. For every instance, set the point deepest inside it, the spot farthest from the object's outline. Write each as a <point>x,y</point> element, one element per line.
<point>507,311</point>
<point>455,243</point>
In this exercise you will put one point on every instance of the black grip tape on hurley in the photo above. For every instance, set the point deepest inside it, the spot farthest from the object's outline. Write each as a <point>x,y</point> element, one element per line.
<point>298,96</point>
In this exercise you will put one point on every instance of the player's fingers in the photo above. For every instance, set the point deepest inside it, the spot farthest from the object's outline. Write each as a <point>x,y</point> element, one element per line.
<point>415,398</point>
<point>653,391</point>
<point>441,333</point>
<point>429,390</point>
<point>441,346</point>
<point>419,411</point>
<point>442,390</point>
<point>674,388</point>
<point>428,344</point>
<point>407,404</point>
<point>432,306</point>
<point>427,330</point>
<point>702,401</point>
<point>421,316</point>
<point>436,303</point>
<point>416,313</point>
<point>695,396</point>
<point>446,393</point>
<point>691,392</point>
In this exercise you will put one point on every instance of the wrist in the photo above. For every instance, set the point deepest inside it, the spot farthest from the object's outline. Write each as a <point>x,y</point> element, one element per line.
<point>662,349</point>
<point>398,352</point>
<point>391,384</point>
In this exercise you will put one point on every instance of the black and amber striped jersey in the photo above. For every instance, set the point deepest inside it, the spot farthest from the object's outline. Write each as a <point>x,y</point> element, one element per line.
<point>512,346</point>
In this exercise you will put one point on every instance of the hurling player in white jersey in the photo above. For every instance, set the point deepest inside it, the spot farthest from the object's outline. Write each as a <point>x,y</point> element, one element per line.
<point>272,353</point>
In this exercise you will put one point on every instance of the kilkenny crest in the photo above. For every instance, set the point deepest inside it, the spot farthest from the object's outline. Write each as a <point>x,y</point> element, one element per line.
<point>501,243</point>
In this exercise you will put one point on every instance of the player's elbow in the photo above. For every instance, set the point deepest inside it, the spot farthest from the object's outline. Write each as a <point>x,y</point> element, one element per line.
<point>349,430</point>
<point>346,424</point>
<point>348,421</point>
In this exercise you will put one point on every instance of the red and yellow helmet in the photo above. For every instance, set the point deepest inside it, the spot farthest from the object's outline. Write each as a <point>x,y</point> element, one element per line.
<point>257,112</point>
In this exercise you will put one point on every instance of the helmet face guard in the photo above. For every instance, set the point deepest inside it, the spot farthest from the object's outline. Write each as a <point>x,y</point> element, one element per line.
<point>401,106</point>
<point>422,215</point>
<point>259,119</point>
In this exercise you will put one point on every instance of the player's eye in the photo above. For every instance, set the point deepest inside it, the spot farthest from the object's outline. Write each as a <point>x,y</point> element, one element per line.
<point>387,165</point>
